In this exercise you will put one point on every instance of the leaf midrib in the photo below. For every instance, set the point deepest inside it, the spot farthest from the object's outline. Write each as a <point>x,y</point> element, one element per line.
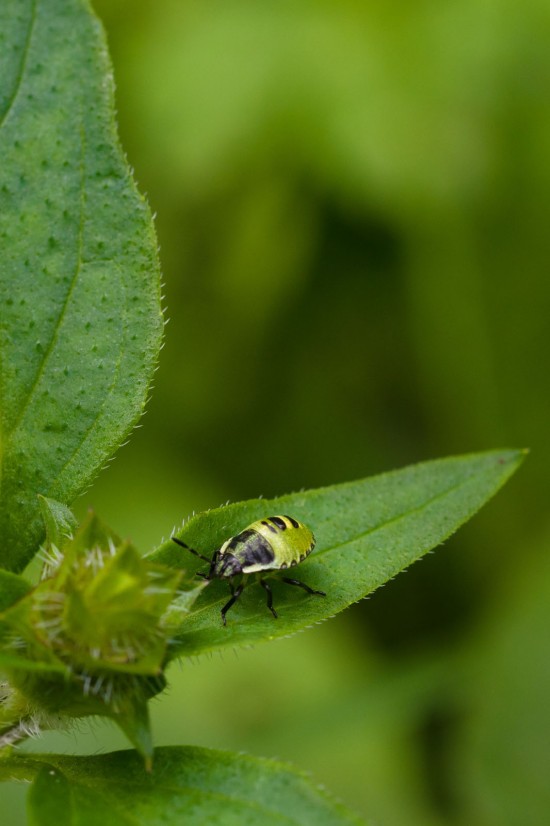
<point>22,67</point>
<point>398,517</point>
<point>9,108</point>
<point>7,437</point>
<point>49,350</point>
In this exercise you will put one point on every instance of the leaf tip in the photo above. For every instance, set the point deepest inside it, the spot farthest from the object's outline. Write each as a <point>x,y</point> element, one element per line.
<point>514,456</point>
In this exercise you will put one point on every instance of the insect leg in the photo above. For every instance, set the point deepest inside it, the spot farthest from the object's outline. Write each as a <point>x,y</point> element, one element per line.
<point>236,594</point>
<point>183,545</point>
<point>303,585</point>
<point>265,585</point>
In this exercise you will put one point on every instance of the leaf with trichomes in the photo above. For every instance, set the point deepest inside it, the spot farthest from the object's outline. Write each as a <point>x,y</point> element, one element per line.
<point>80,324</point>
<point>367,531</point>
<point>188,785</point>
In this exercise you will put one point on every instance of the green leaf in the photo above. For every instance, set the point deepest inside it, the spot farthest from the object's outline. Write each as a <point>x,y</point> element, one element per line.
<point>79,281</point>
<point>50,798</point>
<point>175,615</point>
<point>367,531</point>
<point>12,588</point>
<point>59,521</point>
<point>189,785</point>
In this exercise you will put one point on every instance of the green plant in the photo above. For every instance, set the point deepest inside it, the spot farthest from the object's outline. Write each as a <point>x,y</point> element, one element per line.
<point>79,337</point>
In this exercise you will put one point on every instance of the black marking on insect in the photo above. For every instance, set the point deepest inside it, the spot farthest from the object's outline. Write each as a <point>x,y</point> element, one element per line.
<point>271,544</point>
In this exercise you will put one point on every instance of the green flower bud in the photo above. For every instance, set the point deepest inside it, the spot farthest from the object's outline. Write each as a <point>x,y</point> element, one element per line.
<point>92,637</point>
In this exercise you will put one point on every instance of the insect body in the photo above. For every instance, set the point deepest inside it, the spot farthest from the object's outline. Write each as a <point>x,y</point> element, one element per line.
<point>271,544</point>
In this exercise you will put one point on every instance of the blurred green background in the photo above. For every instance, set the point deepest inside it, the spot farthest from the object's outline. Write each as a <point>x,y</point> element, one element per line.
<point>352,207</point>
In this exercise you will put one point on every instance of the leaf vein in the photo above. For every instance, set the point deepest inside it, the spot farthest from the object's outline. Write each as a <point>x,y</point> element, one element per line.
<point>393,519</point>
<point>24,58</point>
<point>63,312</point>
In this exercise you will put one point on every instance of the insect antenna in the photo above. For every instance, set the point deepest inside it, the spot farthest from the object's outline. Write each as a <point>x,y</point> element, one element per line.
<point>187,548</point>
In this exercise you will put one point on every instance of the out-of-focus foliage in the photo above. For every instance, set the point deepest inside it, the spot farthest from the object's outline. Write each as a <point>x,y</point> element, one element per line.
<point>353,201</point>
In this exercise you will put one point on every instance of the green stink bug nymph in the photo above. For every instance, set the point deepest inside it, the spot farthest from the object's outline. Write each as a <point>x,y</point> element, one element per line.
<point>271,544</point>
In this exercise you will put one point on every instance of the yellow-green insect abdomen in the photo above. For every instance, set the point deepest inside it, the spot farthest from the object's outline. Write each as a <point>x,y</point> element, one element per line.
<point>273,543</point>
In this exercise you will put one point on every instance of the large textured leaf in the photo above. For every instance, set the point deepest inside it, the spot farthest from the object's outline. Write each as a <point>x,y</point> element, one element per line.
<point>366,532</point>
<point>193,786</point>
<point>79,291</point>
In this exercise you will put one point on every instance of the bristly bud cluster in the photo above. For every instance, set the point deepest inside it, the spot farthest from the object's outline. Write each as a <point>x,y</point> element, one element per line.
<point>92,637</point>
